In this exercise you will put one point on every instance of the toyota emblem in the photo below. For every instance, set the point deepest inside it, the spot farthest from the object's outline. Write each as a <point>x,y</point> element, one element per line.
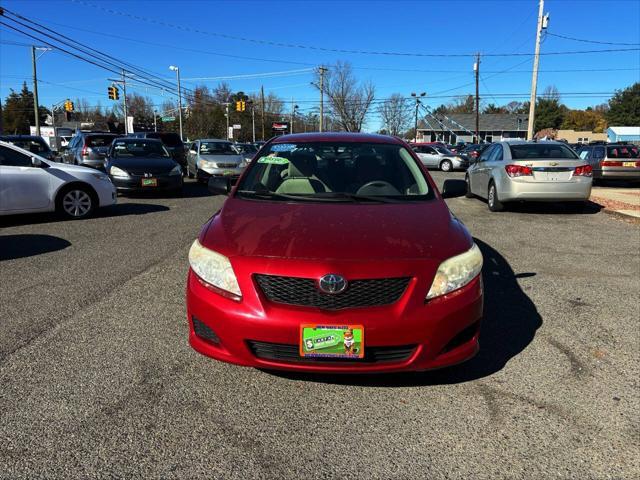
<point>332,283</point>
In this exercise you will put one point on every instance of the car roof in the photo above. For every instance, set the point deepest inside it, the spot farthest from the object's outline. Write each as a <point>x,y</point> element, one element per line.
<point>346,137</point>
<point>21,137</point>
<point>137,139</point>
<point>527,142</point>
<point>213,140</point>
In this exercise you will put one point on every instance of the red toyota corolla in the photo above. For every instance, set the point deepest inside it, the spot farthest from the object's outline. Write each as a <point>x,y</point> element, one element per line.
<point>335,253</point>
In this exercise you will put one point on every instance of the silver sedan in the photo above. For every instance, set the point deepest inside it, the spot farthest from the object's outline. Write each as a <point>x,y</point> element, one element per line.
<point>437,156</point>
<point>535,171</point>
<point>213,157</point>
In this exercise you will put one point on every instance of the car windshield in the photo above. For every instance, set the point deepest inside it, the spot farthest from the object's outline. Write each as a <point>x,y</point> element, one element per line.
<point>139,148</point>
<point>331,171</point>
<point>217,148</point>
<point>169,139</point>
<point>541,151</point>
<point>99,140</point>
<point>623,151</point>
<point>443,150</point>
<point>34,145</point>
<point>246,148</point>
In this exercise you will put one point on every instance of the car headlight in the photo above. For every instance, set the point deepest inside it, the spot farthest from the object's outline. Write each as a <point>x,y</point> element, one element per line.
<point>177,170</point>
<point>456,272</point>
<point>214,269</point>
<point>101,176</point>
<point>207,164</point>
<point>118,172</point>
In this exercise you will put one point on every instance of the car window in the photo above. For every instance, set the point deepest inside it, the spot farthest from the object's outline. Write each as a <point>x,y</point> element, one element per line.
<point>541,151</point>
<point>622,151</point>
<point>169,139</point>
<point>34,145</point>
<point>99,140</point>
<point>138,148</point>
<point>598,152</point>
<point>336,171</point>
<point>584,153</point>
<point>486,153</point>
<point>496,155</point>
<point>13,158</point>
<point>217,148</point>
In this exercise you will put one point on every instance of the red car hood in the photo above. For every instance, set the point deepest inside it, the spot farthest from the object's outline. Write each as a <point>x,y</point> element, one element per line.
<point>342,231</point>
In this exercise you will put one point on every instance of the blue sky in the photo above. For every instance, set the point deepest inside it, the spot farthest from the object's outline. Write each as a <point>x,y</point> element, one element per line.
<point>423,27</point>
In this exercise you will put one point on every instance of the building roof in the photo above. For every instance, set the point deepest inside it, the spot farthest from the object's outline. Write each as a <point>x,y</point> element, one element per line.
<point>488,122</point>
<point>625,130</point>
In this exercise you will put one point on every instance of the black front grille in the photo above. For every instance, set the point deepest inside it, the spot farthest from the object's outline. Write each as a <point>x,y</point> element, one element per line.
<point>359,293</point>
<point>227,165</point>
<point>290,353</point>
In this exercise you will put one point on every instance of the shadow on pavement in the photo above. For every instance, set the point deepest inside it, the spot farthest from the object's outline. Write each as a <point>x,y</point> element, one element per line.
<point>509,325</point>
<point>118,210</point>
<point>28,245</point>
<point>564,208</point>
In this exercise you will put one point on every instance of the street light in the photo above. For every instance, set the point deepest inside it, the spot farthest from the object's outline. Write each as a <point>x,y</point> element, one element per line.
<point>294,108</point>
<point>417,97</point>
<point>177,70</point>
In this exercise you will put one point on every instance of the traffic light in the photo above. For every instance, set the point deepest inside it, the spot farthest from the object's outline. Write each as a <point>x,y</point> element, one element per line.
<point>114,94</point>
<point>242,105</point>
<point>68,106</point>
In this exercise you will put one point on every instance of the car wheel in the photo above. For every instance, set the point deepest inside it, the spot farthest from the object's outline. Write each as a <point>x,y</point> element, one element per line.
<point>199,177</point>
<point>76,202</point>
<point>189,173</point>
<point>494,204</point>
<point>446,166</point>
<point>468,193</point>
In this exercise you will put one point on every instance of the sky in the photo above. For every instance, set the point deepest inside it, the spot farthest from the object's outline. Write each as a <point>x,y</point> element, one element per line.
<point>235,39</point>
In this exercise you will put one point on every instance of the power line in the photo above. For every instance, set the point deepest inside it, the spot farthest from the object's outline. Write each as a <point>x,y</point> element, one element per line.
<point>590,41</point>
<point>323,49</point>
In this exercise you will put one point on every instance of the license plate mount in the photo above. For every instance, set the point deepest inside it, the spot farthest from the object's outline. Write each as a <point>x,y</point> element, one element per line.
<point>332,341</point>
<point>149,182</point>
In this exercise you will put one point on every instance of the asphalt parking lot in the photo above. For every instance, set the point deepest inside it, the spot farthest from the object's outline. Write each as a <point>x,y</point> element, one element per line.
<point>98,379</point>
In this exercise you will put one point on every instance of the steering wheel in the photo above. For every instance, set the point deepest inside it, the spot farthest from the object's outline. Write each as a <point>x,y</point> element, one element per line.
<point>378,187</point>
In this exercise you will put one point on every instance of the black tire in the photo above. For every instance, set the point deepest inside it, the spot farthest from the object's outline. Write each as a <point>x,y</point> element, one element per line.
<point>468,193</point>
<point>199,178</point>
<point>494,204</point>
<point>76,202</point>
<point>446,166</point>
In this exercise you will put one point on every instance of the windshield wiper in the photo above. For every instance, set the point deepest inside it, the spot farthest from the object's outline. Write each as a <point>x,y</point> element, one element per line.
<point>356,197</point>
<point>267,194</point>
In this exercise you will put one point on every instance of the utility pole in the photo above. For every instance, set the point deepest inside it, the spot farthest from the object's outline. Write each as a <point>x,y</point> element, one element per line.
<point>124,103</point>
<point>253,121</point>
<point>476,69</point>
<point>177,70</point>
<point>226,107</point>
<point>321,70</point>
<point>155,123</point>
<point>415,125</point>
<point>262,109</point>
<point>542,24</point>
<point>35,89</point>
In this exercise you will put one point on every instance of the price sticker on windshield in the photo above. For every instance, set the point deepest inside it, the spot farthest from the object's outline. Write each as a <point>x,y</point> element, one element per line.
<point>273,160</point>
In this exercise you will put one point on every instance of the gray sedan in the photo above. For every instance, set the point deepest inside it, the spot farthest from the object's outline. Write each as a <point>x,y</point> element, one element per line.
<point>436,156</point>
<point>212,157</point>
<point>535,171</point>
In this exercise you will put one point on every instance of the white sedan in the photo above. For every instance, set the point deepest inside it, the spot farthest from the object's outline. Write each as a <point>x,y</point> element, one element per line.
<point>29,184</point>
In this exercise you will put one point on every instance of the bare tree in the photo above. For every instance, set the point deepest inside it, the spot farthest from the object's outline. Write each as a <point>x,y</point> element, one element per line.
<point>395,113</point>
<point>349,101</point>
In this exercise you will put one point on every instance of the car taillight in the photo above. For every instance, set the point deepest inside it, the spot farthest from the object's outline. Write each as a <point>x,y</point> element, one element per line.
<point>84,150</point>
<point>474,154</point>
<point>610,163</point>
<point>518,171</point>
<point>583,171</point>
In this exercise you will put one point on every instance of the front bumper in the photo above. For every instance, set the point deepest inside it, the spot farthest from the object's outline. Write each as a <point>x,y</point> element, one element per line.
<point>441,332</point>
<point>460,163</point>
<point>232,173</point>
<point>134,183</point>
<point>98,164</point>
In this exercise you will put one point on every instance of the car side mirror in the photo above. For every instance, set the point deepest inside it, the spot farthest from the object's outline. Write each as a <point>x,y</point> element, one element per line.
<point>454,188</point>
<point>219,186</point>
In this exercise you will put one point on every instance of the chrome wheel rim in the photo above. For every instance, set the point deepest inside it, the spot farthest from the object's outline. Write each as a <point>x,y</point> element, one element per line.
<point>446,166</point>
<point>76,203</point>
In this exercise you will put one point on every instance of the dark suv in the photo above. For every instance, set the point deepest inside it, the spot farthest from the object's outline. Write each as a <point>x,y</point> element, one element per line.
<point>612,161</point>
<point>88,149</point>
<point>32,143</point>
<point>172,143</point>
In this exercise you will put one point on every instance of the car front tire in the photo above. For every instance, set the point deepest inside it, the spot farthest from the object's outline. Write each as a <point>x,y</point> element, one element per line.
<point>446,166</point>
<point>76,202</point>
<point>493,202</point>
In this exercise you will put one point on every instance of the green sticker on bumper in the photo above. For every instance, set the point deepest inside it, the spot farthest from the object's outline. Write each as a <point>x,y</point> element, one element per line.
<point>273,160</point>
